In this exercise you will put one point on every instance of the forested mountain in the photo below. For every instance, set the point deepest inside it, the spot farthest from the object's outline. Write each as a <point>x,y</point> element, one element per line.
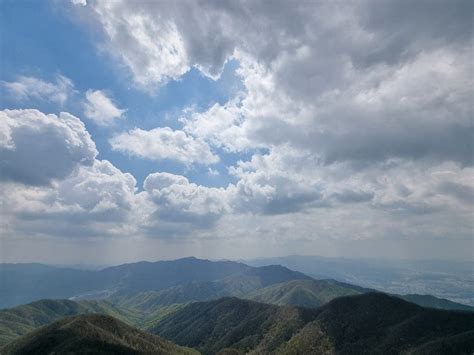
<point>92,334</point>
<point>193,302</point>
<point>146,285</point>
<point>233,323</point>
<point>445,279</point>
<point>367,323</point>
<point>22,319</point>
<point>435,302</point>
<point>304,293</point>
<point>23,283</point>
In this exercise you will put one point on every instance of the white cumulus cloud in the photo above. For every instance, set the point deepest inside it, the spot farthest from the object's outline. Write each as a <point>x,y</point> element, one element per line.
<point>164,143</point>
<point>101,109</point>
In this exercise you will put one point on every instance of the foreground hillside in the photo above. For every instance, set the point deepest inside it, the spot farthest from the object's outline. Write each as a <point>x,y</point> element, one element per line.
<point>23,319</point>
<point>378,323</point>
<point>365,323</point>
<point>91,334</point>
<point>368,323</point>
<point>233,323</point>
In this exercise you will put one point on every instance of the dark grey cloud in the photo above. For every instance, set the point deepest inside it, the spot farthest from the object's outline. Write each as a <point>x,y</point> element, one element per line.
<point>293,203</point>
<point>406,208</point>
<point>461,192</point>
<point>349,196</point>
<point>450,142</point>
<point>404,28</point>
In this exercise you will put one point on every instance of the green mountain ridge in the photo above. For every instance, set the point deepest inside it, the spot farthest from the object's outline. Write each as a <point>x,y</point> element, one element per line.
<point>168,282</point>
<point>239,285</point>
<point>450,280</point>
<point>304,293</point>
<point>366,323</point>
<point>379,323</point>
<point>315,293</point>
<point>20,320</point>
<point>255,327</point>
<point>436,302</point>
<point>23,283</point>
<point>232,323</point>
<point>145,309</point>
<point>92,334</point>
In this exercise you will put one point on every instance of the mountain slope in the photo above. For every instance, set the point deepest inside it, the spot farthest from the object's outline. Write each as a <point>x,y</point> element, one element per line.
<point>315,293</point>
<point>367,323</point>
<point>304,293</point>
<point>435,302</point>
<point>145,276</point>
<point>23,283</point>
<point>146,308</point>
<point>232,323</point>
<point>93,334</point>
<point>378,323</point>
<point>238,284</point>
<point>441,278</point>
<point>20,320</point>
<point>167,283</point>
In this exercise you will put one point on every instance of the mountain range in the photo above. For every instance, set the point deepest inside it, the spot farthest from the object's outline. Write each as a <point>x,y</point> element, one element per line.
<point>231,306</point>
<point>367,323</point>
<point>182,280</point>
<point>441,278</point>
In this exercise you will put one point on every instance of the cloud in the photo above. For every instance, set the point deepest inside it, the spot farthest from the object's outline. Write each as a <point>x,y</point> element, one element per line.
<point>343,117</point>
<point>101,109</point>
<point>221,125</point>
<point>283,195</point>
<point>166,39</point>
<point>79,2</point>
<point>164,143</point>
<point>94,201</point>
<point>29,87</point>
<point>182,204</point>
<point>150,46</point>
<point>418,111</point>
<point>52,184</point>
<point>358,112</point>
<point>368,94</point>
<point>265,186</point>
<point>462,192</point>
<point>212,172</point>
<point>37,148</point>
<point>349,196</point>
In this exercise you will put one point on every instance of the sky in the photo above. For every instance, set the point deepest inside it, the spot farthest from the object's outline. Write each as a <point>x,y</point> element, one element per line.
<point>147,130</point>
